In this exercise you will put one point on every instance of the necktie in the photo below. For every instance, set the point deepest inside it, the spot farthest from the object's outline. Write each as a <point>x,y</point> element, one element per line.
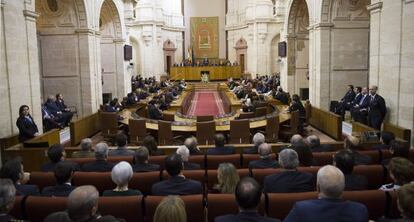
<point>362,100</point>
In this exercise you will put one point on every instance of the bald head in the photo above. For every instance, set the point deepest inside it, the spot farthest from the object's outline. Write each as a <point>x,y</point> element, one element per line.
<point>83,203</point>
<point>248,193</point>
<point>265,150</point>
<point>352,142</point>
<point>330,182</point>
<point>313,141</point>
<point>296,139</point>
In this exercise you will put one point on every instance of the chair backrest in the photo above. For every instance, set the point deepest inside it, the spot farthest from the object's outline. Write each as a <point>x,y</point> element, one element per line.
<point>246,158</point>
<point>101,180</point>
<point>199,159</point>
<point>137,130</point>
<point>222,204</point>
<point>308,108</point>
<point>108,123</point>
<point>144,181</point>
<point>375,174</point>
<point>374,200</point>
<point>280,204</point>
<point>324,158</point>
<point>198,175</point>
<point>205,118</point>
<point>205,132</point>
<point>260,111</point>
<point>272,128</point>
<point>128,208</point>
<point>294,122</point>
<point>213,161</point>
<point>392,210</point>
<point>239,131</point>
<point>38,208</point>
<point>193,204</point>
<point>160,160</point>
<point>168,117</point>
<point>17,212</point>
<point>246,115</point>
<point>165,134</point>
<point>212,176</point>
<point>260,174</point>
<point>42,179</point>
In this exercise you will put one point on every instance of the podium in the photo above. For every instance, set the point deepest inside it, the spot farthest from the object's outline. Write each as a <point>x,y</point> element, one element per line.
<point>205,76</point>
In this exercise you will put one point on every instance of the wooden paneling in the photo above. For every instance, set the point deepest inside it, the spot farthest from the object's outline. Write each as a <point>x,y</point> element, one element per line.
<point>51,137</point>
<point>84,128</point>
<point>327,122</point>
<point>216,72</point>
<point>358,128</point>
<point>399,132</point>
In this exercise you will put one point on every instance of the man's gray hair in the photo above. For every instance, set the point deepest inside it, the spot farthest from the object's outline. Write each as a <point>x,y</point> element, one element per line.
<point>331,182</point>
<point>184,152</point>
<point>313,141</point>
<point>295,139</point>
<point>86,144</point>
<point>265,150</point>
<point>122,173</point>
<point>258,139</point>
<point>7,195</point>
<point>191,143</point>
<point>288,159</point>
<point>81,201</point>
<point>101,151</point>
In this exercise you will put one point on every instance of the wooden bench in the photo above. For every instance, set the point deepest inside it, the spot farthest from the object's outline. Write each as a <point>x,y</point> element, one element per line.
<point>84,128</point>
<point>327,122</point>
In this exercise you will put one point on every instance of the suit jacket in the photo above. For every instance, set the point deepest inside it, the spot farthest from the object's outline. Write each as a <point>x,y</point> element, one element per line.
<point>377,108</point>
<point>322,148</point>
<point>52,107</point>
<point>60,190</point>
<point>365,102</point>
<point>154,113</point>
<point>282,97</point>
<point>26,189</point>
<point>361,159</point>
<point>252,150</point>
<point>177,185</point>
<point>349,97</point>
<point>145,167</point>
<point>327,210</point>
<point>245,217</point>
<point>121,152</point>
<point>357,99</point>
<point>97,166</point>
<point>355,182</point>
<point>298,106</point>
<point>50,167</point>
<point>27,128</point>
<point>381,147</point>
<point>289,182</point>
<point>191,166</point>
<point>61,105</point>
<point>263,164</point>
<point>225,150</point>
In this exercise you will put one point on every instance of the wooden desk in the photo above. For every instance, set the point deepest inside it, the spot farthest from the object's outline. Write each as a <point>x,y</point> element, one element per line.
<point>216,72</point>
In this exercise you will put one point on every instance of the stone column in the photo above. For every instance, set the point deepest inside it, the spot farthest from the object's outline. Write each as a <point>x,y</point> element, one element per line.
<point>123,77</point>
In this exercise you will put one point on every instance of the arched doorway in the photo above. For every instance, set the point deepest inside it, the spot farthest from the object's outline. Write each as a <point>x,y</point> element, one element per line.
<point>241,54</point>
<point>298,49</point>
<point>169,55</point>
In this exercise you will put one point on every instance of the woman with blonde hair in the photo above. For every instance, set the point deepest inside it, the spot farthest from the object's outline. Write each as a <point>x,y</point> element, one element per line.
<point>227,178</point>
<point>171,209</point>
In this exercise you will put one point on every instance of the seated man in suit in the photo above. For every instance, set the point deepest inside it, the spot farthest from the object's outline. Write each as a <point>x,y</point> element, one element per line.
<point>315,144</point>
<point>7,198</point>
<point>13,170</point>
<point>248,193</point>
<point>100,164</point>
<point>56,153</point>
<point>50,121</point>
<point>60,116</point>
<point>63,174</point>
<point>329,206</point>
<point>185,153</point>
<point>281,96</point>
<point>386,138</point>
<point>346,101</point>
<point>344,160</point>
<point>141,161</point>
<point>191,144</point>
<point>220,149</point>
<point>258,139</point>
<point>121,150</point>
<point>153,111</point>
<point>86,149</point>
<point>290,180</point>
<point>352,143</point>
<point>177,184</point>
<point>266,161</point>
<point>359,109</point>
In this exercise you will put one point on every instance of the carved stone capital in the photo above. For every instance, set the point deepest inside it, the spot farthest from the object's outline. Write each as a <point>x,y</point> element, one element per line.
<point>30,15</point>
<point>374,8</point>
<point>85,31</point>
<point>119,40</point>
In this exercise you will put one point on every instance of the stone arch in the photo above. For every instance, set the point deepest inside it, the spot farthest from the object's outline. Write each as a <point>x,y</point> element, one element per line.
<point>169,54</point>
<point>241,53</point>
<point>109,15</point>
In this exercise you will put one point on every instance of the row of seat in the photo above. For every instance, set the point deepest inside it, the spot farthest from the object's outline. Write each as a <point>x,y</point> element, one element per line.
<point>199,208</point>
<point>376,176</point>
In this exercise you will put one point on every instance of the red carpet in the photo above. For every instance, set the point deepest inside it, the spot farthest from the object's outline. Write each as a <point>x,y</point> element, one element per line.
<point>206,103</point>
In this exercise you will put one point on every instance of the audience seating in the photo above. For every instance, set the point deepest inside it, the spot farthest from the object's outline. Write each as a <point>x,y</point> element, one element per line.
<point>280,204</point>
<point>212,176</point>
<point>42,179</point>
<point>324,158</point>
<point>222,204</point>
<point>112,159</point>
<point>198,175</point>
<point>260,111</point>
<point>213,161</point>
<point>375,174</point>
<point>36,208</point>
<point>17,212</point>
<point>160,160</point>
<point>205,132</point>
<point>374,200</point>
<point>165,134</point>
<point>193,204</point>
<point>199,159</point>
<point>128,208</point>
<point>137,130</point>
<point>246,158</point>
<point>239,131</point>
<point>246,115</point>
<point>272,129</point>
<point>205,119</point>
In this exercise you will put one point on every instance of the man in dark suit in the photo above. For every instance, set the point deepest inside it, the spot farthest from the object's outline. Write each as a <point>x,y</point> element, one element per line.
<point>177,184</point>
<point>100,164</point>
<point>258,139</point>
<point>56,153</point>
<point>346,101</point>
<point>184,152</point>
<point>191,144</point>
<point>121,150</point>
<point>281,96</point>
<point>220,149</point>
<point>63,174</point>
<point>377,109</point>
<point>329,206</point>
<point>359,111</point>
<point>344,160</point>
<point>27,127</point>
<point>60,116</point>
<point>315,144</point>
<point>13,170</point>
<point>153,111</point>
<point>248,193</point>
<point>358,95</point>
<point>353,144</point>
<point>141,161</point>
<point>290,180</point>
<point>266,161</point>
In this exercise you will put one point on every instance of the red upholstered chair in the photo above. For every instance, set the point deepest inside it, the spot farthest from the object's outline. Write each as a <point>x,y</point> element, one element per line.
<point>81,161</point>
<point>128,208</point>
<point>137,130</point>
<point>205,118</point>
<point>246,158</point>
<point>212,176</point>
<point>374,173</point>
<point>42,179</point>
<point>38,208</point>
<point>222,204</point>
<point>323,158</point>
<point>205,132</point>
<point>160,160</point>
<point>144,181</point>
<point>193,205</point>
<point>17,212</point>
<point>280,204</point>
<point>214,160</point>
<point>260,174</point>
<point>198,175</point>
<point>374,154</point>
<point>239,131</point>
<point>272,129</point>
<point>101,180</point>
<point>199,159</point>
<point>374,200</point>
<point>117,159</point>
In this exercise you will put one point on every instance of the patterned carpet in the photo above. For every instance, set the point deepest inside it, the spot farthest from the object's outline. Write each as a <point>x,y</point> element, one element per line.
<point>206,103</point>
